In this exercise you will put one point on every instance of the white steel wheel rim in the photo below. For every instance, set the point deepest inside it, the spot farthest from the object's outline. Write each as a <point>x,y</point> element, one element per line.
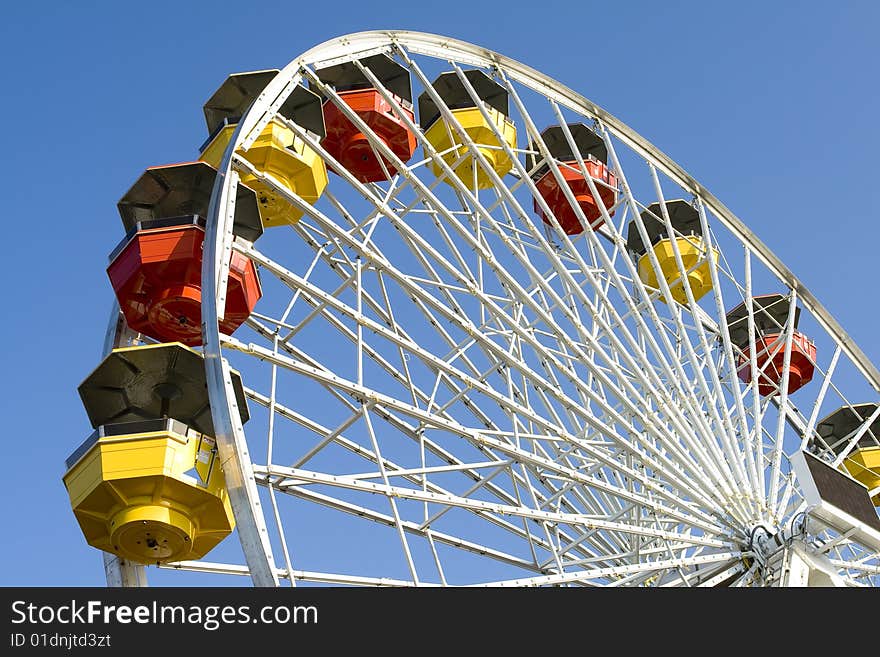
<point>630,455</point>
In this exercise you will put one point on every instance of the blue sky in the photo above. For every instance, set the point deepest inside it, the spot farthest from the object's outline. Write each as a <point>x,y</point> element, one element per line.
<point>773,106</point>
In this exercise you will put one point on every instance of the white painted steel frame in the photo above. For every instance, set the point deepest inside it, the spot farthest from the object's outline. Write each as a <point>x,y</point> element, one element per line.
<point>708,484</point>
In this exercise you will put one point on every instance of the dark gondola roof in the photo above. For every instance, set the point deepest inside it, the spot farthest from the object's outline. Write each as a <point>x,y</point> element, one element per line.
<point>587,142</point>
<point>347,76</point>
<point>770,314</point>
<point>684,218</point>
<point>450,88</point>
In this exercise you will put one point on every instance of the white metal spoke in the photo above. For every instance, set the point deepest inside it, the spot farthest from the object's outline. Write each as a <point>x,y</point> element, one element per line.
<point>495,397</point>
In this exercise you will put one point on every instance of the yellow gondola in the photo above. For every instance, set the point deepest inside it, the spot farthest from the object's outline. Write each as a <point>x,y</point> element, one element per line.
<point>690,243</point>
<point>150,491</point>
<point>147,484</point>
<point>447,141</point>
<point>277,151</point>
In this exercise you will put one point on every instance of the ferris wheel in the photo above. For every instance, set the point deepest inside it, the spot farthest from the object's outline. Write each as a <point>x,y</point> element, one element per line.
<point>421,315</point>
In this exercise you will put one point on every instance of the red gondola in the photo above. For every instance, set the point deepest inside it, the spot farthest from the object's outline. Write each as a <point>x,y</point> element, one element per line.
<point>594,154</point>
<point>349,145</point>
<point>156,273</point>
<point>770,314</point>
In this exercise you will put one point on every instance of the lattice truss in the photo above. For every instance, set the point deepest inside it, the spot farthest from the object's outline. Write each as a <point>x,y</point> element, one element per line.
<point>445,389</point>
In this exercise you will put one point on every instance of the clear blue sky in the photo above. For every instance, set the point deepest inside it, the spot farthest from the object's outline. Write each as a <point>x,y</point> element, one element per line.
<point>773,106</point>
